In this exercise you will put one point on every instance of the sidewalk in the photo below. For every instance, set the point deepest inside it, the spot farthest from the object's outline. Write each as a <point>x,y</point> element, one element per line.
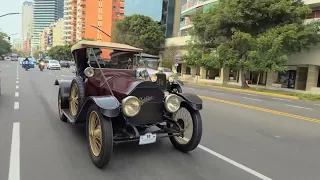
<point>252,90</point>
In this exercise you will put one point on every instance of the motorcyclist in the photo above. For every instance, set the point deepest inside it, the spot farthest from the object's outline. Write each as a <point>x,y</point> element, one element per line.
<point>26,63</point>
<point>41,62</point>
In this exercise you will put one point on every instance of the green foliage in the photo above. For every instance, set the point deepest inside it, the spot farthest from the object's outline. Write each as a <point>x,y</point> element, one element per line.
<point>253,35</point>
<point>5,46</point>
<point>60,52</point>
<point>139,31</point>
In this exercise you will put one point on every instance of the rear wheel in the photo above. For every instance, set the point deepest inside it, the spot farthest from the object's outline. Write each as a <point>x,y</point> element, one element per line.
<point>190,121</point>
<point>100,137</point>
<point>77,96</point>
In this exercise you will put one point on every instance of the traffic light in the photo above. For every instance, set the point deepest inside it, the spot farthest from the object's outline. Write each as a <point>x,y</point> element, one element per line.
<point>9,38</point>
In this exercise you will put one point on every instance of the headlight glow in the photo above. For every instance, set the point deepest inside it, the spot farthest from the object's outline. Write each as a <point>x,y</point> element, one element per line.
<point>153,78</point>
<point>89,71</point>
<point>172,103</point>
<point>131,106</point>
<point>171,78</point>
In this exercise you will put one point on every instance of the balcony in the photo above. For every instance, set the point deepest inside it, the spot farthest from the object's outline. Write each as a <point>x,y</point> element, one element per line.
<point>186,23</point>
<point>194,4</point>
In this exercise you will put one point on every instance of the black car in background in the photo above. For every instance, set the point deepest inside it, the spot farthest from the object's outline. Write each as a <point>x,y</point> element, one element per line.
<point>65,64</point>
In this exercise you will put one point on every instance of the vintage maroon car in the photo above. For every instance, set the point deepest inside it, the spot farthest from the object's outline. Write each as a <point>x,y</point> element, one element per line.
<point>117,106</point>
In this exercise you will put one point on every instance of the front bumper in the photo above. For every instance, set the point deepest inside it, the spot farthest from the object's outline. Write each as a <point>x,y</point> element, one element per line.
<point>54,67</point>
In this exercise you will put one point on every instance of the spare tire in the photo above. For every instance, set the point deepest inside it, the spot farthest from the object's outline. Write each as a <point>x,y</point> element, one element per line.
<point>77,96</point>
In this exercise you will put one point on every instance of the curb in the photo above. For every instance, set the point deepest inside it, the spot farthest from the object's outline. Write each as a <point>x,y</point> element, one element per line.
<point>246,91</point>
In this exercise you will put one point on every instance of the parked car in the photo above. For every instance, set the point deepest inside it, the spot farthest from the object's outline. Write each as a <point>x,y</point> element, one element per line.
<point>65,64</point>
<point>7,58</point>
<point>53,64</point>
<point>117,106</point>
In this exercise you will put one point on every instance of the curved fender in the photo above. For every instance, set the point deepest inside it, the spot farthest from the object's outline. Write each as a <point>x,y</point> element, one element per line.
<point>64,85</point>
<point>194,101</point>
<point>109,106</point>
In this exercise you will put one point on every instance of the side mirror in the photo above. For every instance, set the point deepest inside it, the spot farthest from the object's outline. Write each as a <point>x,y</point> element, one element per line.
<point>73,71</point>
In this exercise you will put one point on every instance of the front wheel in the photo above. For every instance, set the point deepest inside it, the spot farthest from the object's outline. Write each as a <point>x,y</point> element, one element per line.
<point>190,121</point>
<point>100,137</point>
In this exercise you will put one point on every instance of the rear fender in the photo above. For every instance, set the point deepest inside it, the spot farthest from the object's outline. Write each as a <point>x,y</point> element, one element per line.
<point>109,106</point>
<point>64,86</point>
<point>194,101</point>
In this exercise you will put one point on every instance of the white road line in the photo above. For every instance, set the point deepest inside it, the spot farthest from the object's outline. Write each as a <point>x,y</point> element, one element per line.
<point>282,99</point>
<point>57,76</point>
<point>17,87</point>
<point>317,104</point>
<point>190,88</point>
<point>16,105</point>
<point>17,82</point>
<point>220,156</point>
<point>14,168</point>
<point>300,107</point>
<point>216,92</point>
<point>16,94</point>
<point>252,99</point>
<point>17,78</point>
<point>248,94</point>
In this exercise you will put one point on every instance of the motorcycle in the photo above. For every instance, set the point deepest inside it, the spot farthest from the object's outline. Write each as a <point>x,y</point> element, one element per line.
<point>25,65</point>
<point>41,66</point>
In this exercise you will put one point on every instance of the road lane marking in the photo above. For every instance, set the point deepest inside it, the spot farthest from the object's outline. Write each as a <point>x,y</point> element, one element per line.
<point>190,88</point>
<point>248,94</point>
<point>17,78</point>
<point>216,92</point>
<point>252,99</point>
<point>17,87</point>
<point>16,105</point>
<point>300,107</point>
<point>245,168</point>
<point>263,109</point>
<point>17,82</point>
<point>317,104</point>
<point>281,99</point>
<point>14,168</point>
<point>16,94</point>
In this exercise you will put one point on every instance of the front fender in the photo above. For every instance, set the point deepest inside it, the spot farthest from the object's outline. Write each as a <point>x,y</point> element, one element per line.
<point>194,101</point>
<point>64,86</point>
<point>109,106</point>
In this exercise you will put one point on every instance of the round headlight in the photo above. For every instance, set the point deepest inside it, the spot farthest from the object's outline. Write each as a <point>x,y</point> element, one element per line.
<point>153,78</point>
<point>171,78</point>
<point>131,106</point>
<point>172,103</point>
<point>89,71</point>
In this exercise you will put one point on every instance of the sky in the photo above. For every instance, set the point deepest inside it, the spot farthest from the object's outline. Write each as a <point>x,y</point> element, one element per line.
<point>12,24</point>
<point>152,8</point>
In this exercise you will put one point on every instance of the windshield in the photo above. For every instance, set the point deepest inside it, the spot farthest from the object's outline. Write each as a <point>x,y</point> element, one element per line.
<point>150,71</point>
<point>53,62</point>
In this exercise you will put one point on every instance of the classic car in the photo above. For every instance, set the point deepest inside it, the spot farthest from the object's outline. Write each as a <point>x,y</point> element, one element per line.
<point>119,107</point>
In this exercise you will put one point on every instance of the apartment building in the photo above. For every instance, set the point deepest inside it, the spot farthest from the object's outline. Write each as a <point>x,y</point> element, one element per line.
<point>27,24</point>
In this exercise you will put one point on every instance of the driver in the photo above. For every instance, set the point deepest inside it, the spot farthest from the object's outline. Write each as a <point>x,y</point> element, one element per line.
<point>26,62</point>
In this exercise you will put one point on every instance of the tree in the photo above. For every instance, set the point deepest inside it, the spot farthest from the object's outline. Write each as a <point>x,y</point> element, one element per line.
<point>5,46</point>
<point>60,52</point>
<point>169,55</point>
<point>253,35</point>
<point>139,31</point>
<point>36,54</point>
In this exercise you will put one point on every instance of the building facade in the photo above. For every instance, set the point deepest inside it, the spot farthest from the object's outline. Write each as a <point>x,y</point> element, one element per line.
<point>27,24</point>
<point>45,12</point>
<point>303,68</point>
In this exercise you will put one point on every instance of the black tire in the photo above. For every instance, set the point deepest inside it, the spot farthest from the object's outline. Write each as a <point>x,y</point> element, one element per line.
<point>196,134</point>
<point>81,93</point>
<point>62,117</point>
<point>176,89</point>
<point>106,152</point>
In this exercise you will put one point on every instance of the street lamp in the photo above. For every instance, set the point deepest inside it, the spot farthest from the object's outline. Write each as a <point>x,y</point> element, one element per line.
<point>101,30</point>
<point>8,14</point>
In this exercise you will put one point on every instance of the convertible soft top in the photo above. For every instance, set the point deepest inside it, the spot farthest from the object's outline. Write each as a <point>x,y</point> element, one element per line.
<point>104,45</point>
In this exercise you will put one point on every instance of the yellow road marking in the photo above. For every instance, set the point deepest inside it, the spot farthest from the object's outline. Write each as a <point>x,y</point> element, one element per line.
<point>262,109</point>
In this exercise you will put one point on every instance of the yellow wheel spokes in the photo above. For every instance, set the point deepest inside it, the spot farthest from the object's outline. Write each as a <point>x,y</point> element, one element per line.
<point>74,100</point>
<point>95,134</point>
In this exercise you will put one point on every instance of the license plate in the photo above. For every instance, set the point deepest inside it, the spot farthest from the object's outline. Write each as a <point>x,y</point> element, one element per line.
<point>148,139</point>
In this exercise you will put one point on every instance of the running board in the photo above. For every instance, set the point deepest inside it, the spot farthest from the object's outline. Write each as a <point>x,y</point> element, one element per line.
<point>67,113</point>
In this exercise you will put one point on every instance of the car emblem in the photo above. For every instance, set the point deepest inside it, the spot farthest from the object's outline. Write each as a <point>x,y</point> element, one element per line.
<point>146,99</point>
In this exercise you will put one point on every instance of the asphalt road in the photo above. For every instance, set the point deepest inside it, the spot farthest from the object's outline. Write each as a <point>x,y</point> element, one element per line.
<point>244,137</point>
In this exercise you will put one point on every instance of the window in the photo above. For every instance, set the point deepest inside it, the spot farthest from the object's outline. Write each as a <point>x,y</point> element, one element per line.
<point>114,7</point>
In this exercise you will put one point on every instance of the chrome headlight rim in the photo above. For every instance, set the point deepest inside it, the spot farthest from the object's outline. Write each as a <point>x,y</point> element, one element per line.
<point>167,101</point>
<point>125,102</point>
<point>171,78</point>
<point>153,77</point>
<point>89,72</point>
